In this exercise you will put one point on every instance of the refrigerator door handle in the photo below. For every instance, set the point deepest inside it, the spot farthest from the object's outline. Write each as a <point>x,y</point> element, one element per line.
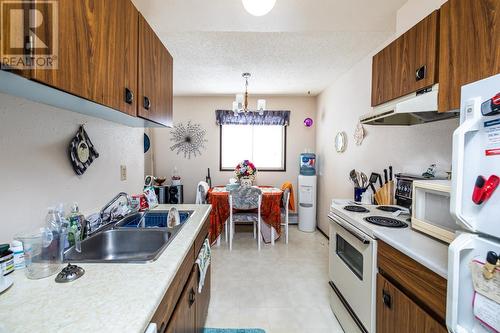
<point>472,116</point>
<point>460,244</point>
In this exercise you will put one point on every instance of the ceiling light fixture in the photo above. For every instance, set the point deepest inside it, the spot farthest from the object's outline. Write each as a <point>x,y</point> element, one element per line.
<point>240,105</point>
<point>258,7</point>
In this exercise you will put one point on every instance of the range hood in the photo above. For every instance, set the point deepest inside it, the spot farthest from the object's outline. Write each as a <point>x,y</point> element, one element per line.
<point>413,109</point>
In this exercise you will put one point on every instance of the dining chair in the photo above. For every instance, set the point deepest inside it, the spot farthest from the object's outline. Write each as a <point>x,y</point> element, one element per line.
<point>285,212</point>
<point>201,193</point>
<point>242,202</point>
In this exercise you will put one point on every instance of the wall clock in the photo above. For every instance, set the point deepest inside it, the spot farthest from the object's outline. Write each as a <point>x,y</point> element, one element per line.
<point>188,139</point>
<point>81,152</point>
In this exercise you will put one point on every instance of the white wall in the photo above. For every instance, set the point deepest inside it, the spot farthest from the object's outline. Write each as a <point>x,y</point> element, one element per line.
<point>408,149</point>
<point>35,171</point>
<point>202,110</point>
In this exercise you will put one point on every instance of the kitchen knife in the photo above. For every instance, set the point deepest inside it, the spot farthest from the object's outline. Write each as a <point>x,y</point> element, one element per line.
<point>390,172</point>
<point>373,178</point>
<point>386,179</point>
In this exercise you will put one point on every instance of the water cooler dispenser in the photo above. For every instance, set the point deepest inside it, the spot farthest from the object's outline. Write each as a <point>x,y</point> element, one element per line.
<point>307,192</point>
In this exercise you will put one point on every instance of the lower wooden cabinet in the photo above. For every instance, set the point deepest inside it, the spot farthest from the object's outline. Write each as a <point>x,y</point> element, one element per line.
<point>183,319</point>
<point>183,308</point>
<point>191,311</point>
<point>397,313</point>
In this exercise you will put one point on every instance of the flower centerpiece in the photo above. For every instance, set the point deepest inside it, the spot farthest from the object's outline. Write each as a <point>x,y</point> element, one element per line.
<point>245,172</point>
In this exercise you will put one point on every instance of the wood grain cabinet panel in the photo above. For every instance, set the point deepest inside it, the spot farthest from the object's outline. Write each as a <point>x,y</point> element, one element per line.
<point>426,287</point>
<point>469,46</point>
<point>183,319</point>
<point>183,308</point>
<point>155,77</point>
<point>97,53</point>
<point>397,313</point>
<point>173,294</point>
<point>394,69</point>
<point>15,31</point>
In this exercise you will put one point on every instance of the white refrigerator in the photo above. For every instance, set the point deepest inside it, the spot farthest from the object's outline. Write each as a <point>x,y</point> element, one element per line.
<point>475,205</point>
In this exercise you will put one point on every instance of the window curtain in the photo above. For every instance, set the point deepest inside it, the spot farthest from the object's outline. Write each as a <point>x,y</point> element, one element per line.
<point>228,117</point>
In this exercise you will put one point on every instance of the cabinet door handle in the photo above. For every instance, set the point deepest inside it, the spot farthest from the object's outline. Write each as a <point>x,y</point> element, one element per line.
<point>129,96</point>
<point>147,103</point>
<point>386,298</point>
<point>192,297</point>
<point>163,327</point>
<point>420,73</point>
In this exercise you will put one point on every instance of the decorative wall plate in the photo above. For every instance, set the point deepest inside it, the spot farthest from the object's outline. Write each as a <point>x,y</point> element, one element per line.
<point>340,142</point>
<point>81,152</point>
<point>359,134</point>
<point>147,143</point>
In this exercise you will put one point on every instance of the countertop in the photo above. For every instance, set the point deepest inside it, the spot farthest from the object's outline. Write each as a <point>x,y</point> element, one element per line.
<point>108,298</point>
<point>431,253</point>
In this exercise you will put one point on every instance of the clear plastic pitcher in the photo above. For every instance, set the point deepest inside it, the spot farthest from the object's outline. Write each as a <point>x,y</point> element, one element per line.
<point>43,252</point>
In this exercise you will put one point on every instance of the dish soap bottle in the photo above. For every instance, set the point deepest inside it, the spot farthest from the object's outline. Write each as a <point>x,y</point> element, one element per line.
<point>75,220</point>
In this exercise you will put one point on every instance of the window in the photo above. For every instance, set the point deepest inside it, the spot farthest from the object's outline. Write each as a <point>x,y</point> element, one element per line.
<point>264,145</point>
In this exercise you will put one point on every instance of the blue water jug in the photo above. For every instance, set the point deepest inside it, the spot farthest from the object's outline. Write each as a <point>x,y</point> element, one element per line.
<point>308,164</point>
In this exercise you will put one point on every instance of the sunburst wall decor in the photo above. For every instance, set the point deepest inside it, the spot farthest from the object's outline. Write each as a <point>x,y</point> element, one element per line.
<point>188,139</point>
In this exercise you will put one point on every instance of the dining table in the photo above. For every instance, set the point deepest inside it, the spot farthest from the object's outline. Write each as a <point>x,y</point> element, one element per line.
<point>218,197</point>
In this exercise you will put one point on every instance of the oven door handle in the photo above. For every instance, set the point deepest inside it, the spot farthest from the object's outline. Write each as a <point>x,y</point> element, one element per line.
<point>353,232</point>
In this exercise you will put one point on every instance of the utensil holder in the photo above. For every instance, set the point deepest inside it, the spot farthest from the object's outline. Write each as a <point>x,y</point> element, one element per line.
<point>358,192</point>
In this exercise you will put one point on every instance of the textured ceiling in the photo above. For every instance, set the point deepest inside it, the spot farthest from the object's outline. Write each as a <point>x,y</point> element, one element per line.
<point>300,46</point>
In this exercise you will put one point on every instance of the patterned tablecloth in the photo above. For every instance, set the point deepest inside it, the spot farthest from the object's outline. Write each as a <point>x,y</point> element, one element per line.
<point>218,197</point>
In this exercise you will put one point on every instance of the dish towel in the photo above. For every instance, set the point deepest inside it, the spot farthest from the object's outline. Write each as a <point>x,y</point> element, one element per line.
<point>203,261</point>
<point>289,186</point>
<point>201,198</point>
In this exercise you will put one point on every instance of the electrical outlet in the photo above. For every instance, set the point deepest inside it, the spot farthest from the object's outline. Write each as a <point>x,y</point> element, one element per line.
<point>123,172</point>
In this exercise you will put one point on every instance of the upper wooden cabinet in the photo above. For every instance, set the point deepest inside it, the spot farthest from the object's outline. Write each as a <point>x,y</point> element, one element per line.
<point>469,46</point>
<point>105,52</point>
<point>155,77</point>
<point>407,64</point>
<point>458,44</point>
<point>97,54</point>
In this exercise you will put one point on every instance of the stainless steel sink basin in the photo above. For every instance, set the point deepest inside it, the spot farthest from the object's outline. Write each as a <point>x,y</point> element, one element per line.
<point>151,219</point>
<point>123,246</point>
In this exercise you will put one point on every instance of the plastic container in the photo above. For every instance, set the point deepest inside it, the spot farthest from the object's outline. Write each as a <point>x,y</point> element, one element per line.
<point>17,248</point>
<point>42,252</point>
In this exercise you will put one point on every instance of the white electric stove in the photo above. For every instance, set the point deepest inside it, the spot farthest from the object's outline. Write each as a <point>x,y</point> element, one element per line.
<point>353,259</point>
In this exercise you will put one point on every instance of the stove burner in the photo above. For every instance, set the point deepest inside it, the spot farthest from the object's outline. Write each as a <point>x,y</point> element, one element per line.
<point>390,209</point>
<point>356,209</point>
<point>385,222</point>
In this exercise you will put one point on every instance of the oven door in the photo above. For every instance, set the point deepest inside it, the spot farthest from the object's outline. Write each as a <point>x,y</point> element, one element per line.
<point>352,270</point>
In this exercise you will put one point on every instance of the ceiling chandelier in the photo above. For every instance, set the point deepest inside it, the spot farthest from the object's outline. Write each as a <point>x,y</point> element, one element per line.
<point>240,105</point>
<point>258,7</point>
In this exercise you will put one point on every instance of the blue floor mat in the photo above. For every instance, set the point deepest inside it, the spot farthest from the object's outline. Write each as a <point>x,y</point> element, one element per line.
<point>233,330</point>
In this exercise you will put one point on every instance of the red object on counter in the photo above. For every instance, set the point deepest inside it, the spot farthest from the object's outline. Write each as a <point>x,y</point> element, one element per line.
<point>484,189</point>
<point>140,201</point>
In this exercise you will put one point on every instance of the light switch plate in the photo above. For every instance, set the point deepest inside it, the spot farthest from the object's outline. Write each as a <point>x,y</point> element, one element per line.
<point>123,172</point>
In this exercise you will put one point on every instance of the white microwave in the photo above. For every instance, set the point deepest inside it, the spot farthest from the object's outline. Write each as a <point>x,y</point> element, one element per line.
<point>431,209</point>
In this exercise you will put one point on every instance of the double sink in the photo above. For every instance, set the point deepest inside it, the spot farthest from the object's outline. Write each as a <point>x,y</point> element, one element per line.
<point>137,238</point>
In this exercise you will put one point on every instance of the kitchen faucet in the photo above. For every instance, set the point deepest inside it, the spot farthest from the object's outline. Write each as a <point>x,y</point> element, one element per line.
<point>109,204</point>
<point>105,219</point>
